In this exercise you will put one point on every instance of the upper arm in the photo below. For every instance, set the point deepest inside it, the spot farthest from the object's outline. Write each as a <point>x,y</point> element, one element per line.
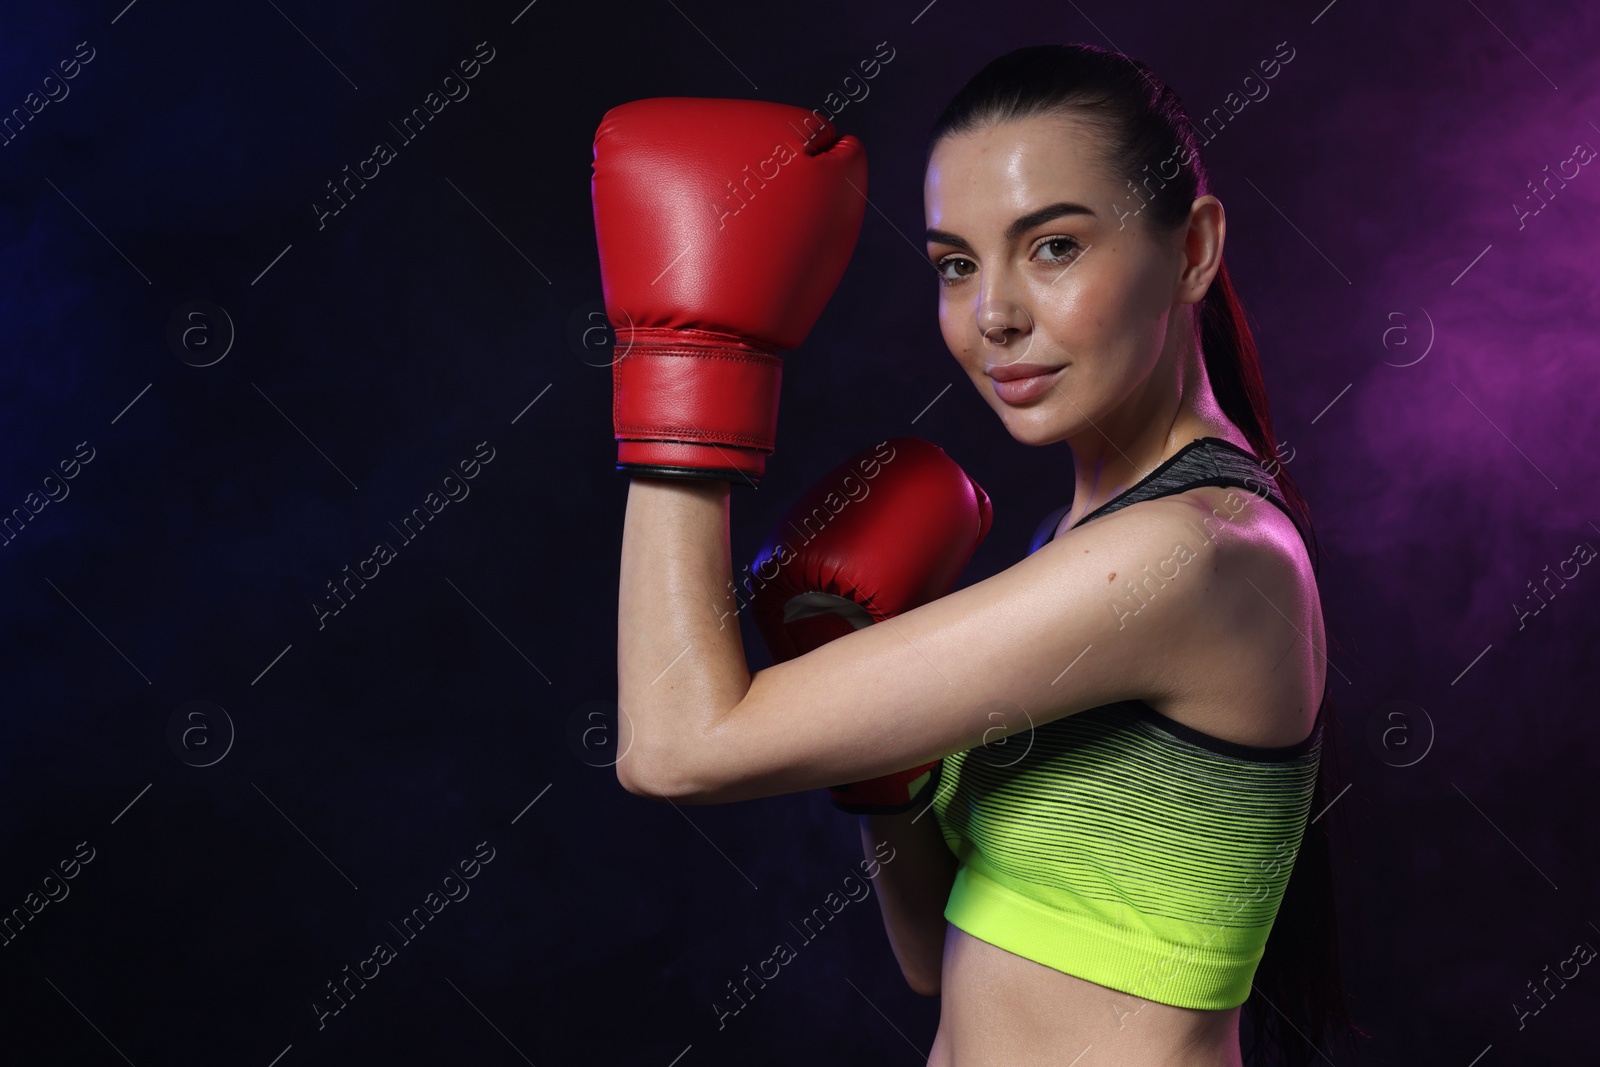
<point>1056,633</point>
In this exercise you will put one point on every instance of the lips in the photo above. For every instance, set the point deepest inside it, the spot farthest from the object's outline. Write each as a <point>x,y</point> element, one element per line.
<point>1010,372</point>
<point>1018,383</point>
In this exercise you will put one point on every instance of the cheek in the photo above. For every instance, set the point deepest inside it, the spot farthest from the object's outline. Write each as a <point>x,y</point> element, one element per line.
<point>1080,316</point>
<point>955,337</point>
<point>1108,308</point>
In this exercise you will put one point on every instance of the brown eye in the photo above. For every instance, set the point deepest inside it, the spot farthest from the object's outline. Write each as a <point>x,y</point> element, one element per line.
<point>1062,248</point>
<point>948,261</point>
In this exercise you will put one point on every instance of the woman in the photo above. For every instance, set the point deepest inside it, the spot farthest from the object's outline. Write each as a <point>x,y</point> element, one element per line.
<point>1123,871</point>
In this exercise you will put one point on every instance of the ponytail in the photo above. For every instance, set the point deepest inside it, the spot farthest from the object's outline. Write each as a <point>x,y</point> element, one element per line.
<point>1297,997</point>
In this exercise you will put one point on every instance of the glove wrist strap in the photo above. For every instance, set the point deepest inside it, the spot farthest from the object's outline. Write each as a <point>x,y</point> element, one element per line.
<point>694,404</point>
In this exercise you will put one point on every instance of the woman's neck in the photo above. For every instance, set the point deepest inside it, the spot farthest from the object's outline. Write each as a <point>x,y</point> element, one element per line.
<point>1176,408</point>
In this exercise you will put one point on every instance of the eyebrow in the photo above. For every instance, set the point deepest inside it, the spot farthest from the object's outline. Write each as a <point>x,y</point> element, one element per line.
<point>1019,227</point>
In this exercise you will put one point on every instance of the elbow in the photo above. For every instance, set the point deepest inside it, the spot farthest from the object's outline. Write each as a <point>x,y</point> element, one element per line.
<point>684,765</point>
<point>922,963</point>
<point>643,779</point>
<point>924,985</point>
<point>631,777</point>
<point>653,775</point>
<point>923,970</point>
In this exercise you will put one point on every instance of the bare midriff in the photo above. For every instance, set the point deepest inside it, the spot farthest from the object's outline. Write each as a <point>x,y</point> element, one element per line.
<point>1001,1010</point>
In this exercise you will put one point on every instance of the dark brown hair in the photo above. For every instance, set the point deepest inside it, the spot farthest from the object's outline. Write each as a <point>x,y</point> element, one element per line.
<point>1296,1000</point>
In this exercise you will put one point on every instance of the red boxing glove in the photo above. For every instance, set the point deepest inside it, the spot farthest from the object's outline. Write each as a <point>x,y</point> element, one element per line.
<point>723,228</point>
<point>884,532</point>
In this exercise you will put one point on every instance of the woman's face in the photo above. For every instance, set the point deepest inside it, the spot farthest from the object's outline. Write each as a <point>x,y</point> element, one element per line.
<point>1044,266</point>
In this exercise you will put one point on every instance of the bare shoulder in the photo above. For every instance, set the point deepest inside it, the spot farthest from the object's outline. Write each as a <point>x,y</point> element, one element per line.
<point>1244,650</point>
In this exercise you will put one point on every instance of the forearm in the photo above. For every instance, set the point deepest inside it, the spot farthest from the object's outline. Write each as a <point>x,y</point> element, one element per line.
<point>912,891</point>
<point>680,659</point>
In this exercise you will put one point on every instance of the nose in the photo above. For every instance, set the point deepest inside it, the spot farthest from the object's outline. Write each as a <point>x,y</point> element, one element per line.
<point>1001,319</point>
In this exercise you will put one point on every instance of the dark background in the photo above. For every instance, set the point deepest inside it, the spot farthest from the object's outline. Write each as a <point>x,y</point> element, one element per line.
<point>1430,363</point>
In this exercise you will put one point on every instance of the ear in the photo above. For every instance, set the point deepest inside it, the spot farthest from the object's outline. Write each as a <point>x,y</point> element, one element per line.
<point>1202,248</point>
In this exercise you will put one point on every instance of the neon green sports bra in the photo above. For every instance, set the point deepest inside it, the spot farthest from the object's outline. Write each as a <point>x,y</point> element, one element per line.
<point>1122,846</point>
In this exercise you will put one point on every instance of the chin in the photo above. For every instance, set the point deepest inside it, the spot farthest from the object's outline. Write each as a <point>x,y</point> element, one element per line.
<point>1032,425</point>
